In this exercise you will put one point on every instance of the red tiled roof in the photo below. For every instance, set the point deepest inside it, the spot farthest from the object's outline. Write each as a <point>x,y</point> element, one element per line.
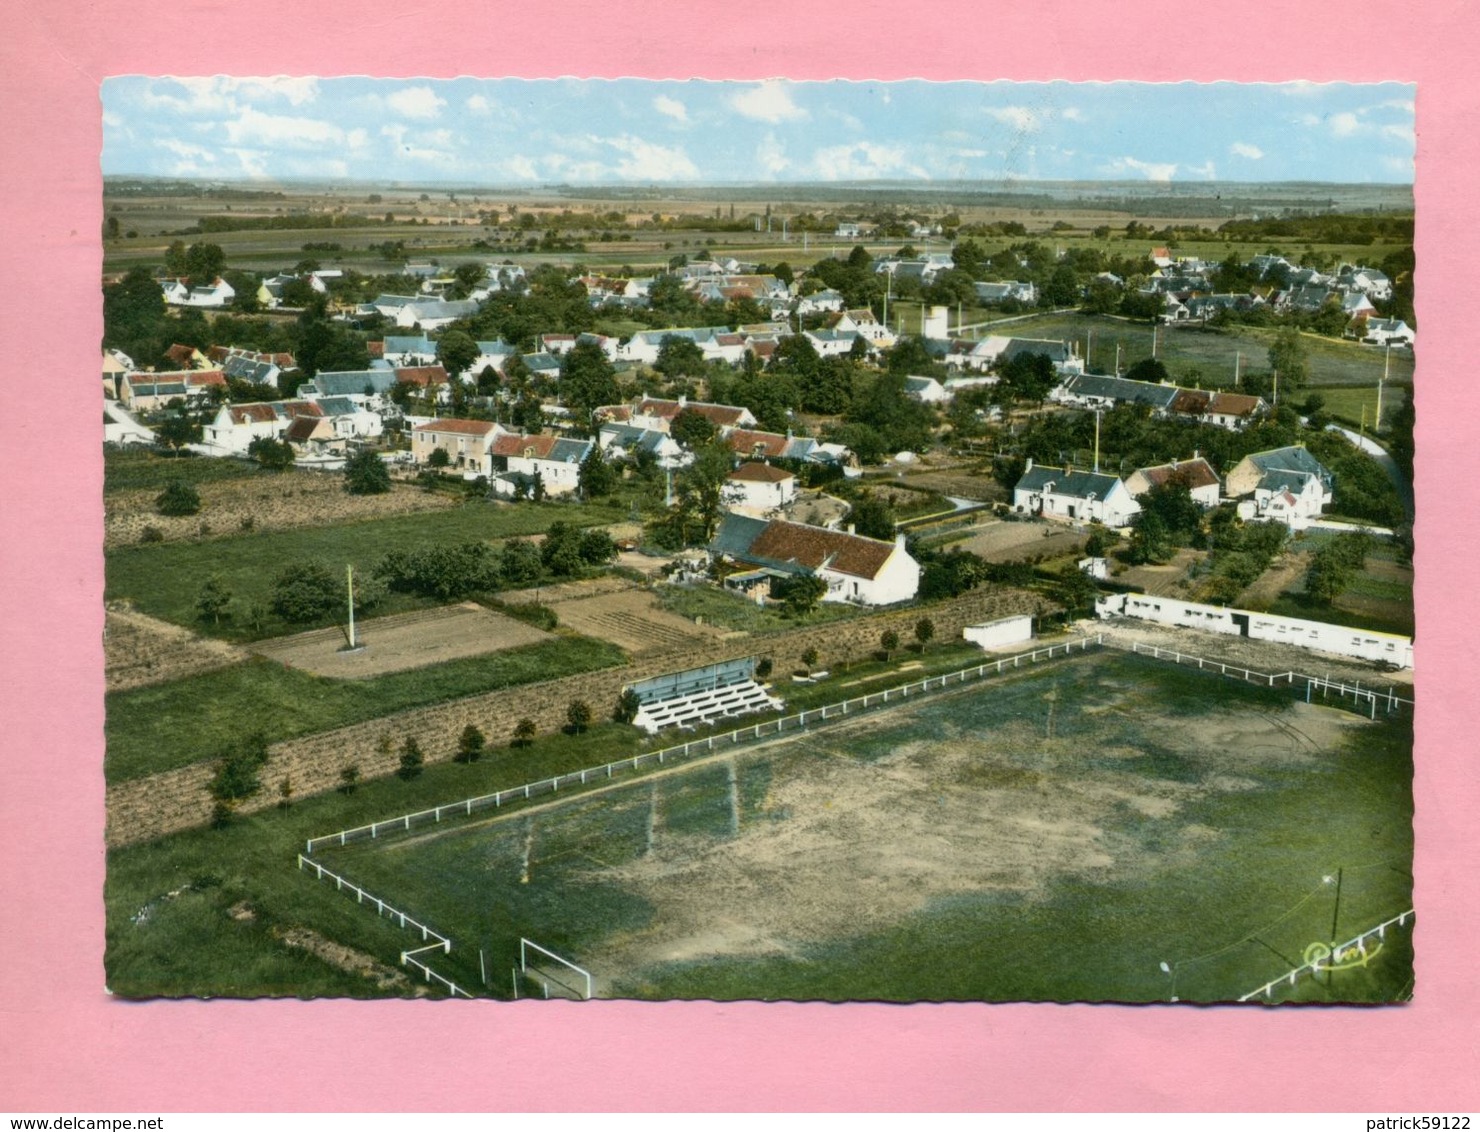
<point>457,425</point>
<point>1190,401</point>
<point>1233,404</point>
<point>179,354</point>
<point>537,446</point>
<point>377,349</point>
<point>302,428</point>
<point>814,547</point>
<point>302,409</point>
<point>206,377</point>
<point>1195,473</point>
<point>749,443</point>
<point>422,375</point>
<point>252,414</point>
<point>760,473</point>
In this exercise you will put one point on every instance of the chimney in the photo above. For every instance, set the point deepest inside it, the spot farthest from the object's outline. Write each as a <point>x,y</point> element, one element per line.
<point>899,541</point>
<point>683,399</point>
<point>1028,467</point>
<point>850,529</point>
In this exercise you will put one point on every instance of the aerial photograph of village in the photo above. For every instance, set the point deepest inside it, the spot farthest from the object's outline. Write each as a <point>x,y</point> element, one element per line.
<point>776,541</point>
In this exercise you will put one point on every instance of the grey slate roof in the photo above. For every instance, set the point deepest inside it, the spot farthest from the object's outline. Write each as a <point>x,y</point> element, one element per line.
<point>1296,458</point>
<point>1121,389</point>
<point>347,383</point>
<point>1073,482</point>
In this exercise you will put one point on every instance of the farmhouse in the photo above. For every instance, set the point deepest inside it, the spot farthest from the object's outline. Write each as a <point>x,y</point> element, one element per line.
<point>1286,485</point>
<point>1196,473</point>
<point>1070,494</point>
<point>759,489</point>
<point>467,443</point>
<point>517,461</point>
<point>862,570</point>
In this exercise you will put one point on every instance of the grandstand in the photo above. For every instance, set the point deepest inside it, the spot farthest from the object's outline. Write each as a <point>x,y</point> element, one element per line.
<point>696,697</point>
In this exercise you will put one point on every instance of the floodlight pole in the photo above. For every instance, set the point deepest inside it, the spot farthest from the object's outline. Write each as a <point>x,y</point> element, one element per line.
<point>1335,912</point>
<point>350,574</point>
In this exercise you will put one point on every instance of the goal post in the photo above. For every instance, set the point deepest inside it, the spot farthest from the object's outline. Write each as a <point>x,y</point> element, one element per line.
<point>581,984</point>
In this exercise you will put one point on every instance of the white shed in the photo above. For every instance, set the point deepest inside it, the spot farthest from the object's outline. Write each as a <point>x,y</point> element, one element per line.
<point>1004,631</point>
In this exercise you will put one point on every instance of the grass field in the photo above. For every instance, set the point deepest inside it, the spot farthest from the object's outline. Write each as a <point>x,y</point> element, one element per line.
<point>128,468</point>
<point>169,725</point>
<point>163,579</point>
<point>1211,351</point>
<point>1053,836</point>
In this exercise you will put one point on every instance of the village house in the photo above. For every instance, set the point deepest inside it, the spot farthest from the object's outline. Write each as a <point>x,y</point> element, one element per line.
<point>236,426</point>
<point>1197,474</point>
<point>1232,411</point>
<point>864,571</point>
<point>1284,485</point>
<point>181,293</point>
<point>1066,493</point>
<point>467,443</point>
<point>517,461</point>
<point>759,489</point>
<point>149,392</point>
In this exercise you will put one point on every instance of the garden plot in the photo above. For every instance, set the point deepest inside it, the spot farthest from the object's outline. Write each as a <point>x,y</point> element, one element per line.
<point>1013,541</point>
<point>408,640</point>
<point>632,620</point>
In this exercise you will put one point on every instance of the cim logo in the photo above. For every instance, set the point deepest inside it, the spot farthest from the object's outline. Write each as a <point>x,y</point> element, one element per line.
<point>1358,955</point>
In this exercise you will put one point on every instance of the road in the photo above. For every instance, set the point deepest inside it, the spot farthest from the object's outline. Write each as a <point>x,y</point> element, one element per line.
<point>1386,462</point>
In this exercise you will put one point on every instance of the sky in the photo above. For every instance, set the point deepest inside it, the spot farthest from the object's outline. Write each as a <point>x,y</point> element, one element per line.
<point>634,131</point>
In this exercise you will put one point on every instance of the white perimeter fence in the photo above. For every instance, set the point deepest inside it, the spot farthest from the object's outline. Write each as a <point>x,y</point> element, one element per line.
<point>442,943</point>
<point>468,806</point>
<point>1362,699</point>
<point>1351,953</point>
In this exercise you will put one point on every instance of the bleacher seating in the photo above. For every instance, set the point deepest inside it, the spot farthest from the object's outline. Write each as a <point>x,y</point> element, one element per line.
<point>699,709</point>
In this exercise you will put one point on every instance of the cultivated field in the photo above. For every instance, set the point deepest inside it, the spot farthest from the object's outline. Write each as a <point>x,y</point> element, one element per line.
<point>408,640</point>
<point>1009,542</point>
<point>140,650</point>
<point>632,620</point>
<point>1053,836</point>
<point>284,501</point>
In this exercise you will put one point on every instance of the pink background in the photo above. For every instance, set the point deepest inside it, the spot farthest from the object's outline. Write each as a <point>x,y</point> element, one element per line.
<point>65,1046</point>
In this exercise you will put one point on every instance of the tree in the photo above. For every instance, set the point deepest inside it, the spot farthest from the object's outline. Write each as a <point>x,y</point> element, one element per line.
<point>439,458</point>
<point>349,778</point>
<point>271,455</point>
<point>1287,359</point>
<point>457,351</point>
<point>888,641</point>
<point>469,745</point>
<point>924,631</point>
<point>799,594</point>
<point>809,658</point>
<point>1148,369</point>
<point>872,517</point>
<point>679,356</point>
<point>700,489</point>
<point>1028,377</point>
<point>365,473</point>
<point>587,380</point>
<point>204,262</point>
<point>1075,588</point>
<point>524,733</point>
<point>596,476</point>
<point>1150,541</point>
<point>628,705</point>
<point>411,760</point>
<point>596,547</point>
<point>213,601</point>
<point>179,429</point>
<point>692,428</point>
<point>305,591</point>
<point>520,563</point>
<point>178,498</point>
<point>237,773</point>
<point>578,715</point>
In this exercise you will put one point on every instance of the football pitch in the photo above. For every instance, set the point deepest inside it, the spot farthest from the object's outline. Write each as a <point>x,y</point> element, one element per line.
<point>1106,828</point>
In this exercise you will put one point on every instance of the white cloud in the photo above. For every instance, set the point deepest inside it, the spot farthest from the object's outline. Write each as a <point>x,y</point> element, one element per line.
<point>646,161</point>
<point>1207,171</point>
<point>862,161</point>
<point>1151,170</point>
<point>1401,132</point>
<point>671,107</point>
<point>253,127</point>
<point>521,167</point>
<point>479,105</point>
<point>1303,88</point>
<point>770,156</point>
<point>768,102</point>
<point>296,91</point>
<point>1245,149</point>
<point>253,162</point>
<point>1072,114</point>
<point>357,139</point>
<point>1022,118</point>
<point>417,102</point>
<point>1345,124</point>
<point>1401,165</point>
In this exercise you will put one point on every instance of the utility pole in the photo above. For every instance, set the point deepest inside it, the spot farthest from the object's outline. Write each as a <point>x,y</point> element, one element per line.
<point>1237,358</point>
<point>1097,441</point>
<point>1387,359</point>
<point>350,574</point>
